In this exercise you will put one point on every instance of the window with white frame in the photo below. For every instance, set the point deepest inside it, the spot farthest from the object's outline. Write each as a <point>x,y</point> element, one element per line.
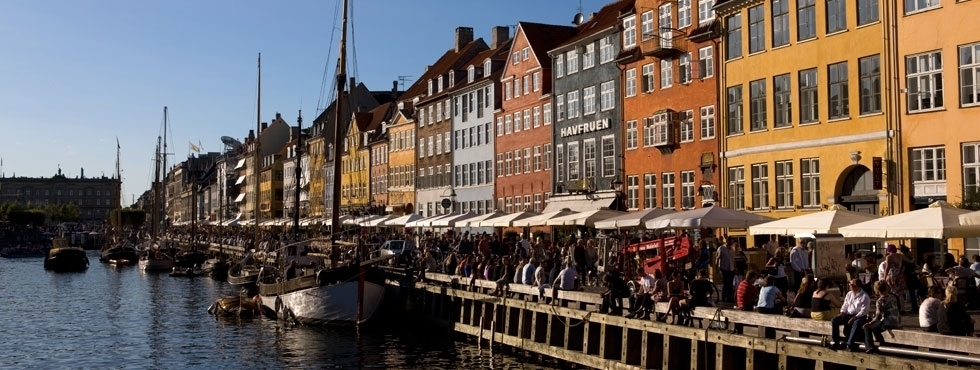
<point>517,87</point>
<point>527,119</point>
<point>809,110</point>
<point>649,190</point>
<point>784,184</point>
<point>608,156</point>
<point>500,164</point>
<point>630,82</point>
<point>969,74</point>
<point>526,86</point>
<point>470,73</point>
<point>687,126</point>
<point>736,187</point>
<point>649,131</point>
<point>684,68</point>
<point>631,135</point>
<point>735,110</point>
<point>706,11</point>
<point>589,158</point>
<point>646,25</point>
<point>607,50</point>
<point>683,13</point>
<point>647,78</point>
<point>666,32</point>
<point>757,105</point>
<point>507,91</point>
<point>924,80</point>
<point>500,126</point>
<point>666,73</point>
<point>422,147</point>
<point>781,101</point>
<point>607,96</point>
<point>509,204</point>
<point>547,156</point>
<point>559,65</point>
<point>525,53</point>
<point>588,100</point>
<point>928,165</point>
<point>536,80</point>
<point>527,160</point>
<point>760,186</point>
<point>538,203</point>
<point>708,122</point>
<point>837,97</point>
<point>518,162</point>
<point>667,184</point>
<point>517,122</point>
<point>537,158</point>
<point>515,58</point>
<point>508,124</point>
<point>588,57</point>
<point>508,163</point>
<point>573,161</point>
<point>571,62</point>
<point>632,191</point>
<point>912,6</point>
<point>810,182</point>
<point>537,116</point>
<point>971,169</point>
<point>629,32</point>
<point>706,62</point>
<point>432,145</point>
<point>687,189</point>
<point>560,107</point>
<point>546,113</point>
<point>573,104</point>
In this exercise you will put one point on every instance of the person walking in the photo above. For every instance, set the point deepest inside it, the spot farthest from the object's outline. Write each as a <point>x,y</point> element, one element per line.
<point>726,263</point>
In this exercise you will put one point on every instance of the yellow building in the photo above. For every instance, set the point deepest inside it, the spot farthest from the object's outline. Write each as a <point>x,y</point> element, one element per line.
<point>270,188</point>
<point>317,146</point>
<point>804,113</point>
<point>355,174</point>
<point>401,162</point>
<point>938,60</point>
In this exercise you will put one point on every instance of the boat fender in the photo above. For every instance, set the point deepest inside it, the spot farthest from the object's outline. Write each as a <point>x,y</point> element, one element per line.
<point>279,304</point>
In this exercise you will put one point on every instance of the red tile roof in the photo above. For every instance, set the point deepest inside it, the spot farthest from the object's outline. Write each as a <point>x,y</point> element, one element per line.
<point>607,17</point>
<point>544,37</point>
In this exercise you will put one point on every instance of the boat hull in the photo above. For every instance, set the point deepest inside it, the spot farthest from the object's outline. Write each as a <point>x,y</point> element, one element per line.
<point>328,304</point>
<point>66,260</point>
<point>154,264</point>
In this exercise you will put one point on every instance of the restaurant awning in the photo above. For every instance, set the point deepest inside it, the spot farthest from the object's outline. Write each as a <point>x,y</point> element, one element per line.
<point>240,164</point>
<point>581,202</point>
<point>240,180</point>
<point>240,198</point>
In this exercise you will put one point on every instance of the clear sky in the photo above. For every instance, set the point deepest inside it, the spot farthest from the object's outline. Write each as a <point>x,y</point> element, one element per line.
<point>76,75</point>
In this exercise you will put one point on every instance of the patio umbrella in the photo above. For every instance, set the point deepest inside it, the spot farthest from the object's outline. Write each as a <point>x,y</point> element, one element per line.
<point>475,221</point>
<point>401,221</point>
<point>939,221</point>
<point>508,219</point>
<point>587,218</point>
<point>424,222</point>
<point>822,222</point>
<point>542,219</point>
<point>632,219</point>
<point>452,219</point>
<point>970,219</point>
<point>715,217</point>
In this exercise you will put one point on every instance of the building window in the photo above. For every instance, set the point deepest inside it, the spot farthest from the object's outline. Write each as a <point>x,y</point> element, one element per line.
<point>517,162</point>
<point>867,11</point>
<point>667,183</point>
<point>630,82</point>
<point>666,73</point>
<point>666,32</point>
<point>547,156</point>
<point>757,105</point>
<point>573,104</point>
<point>683,13</point>
<point>806,19</point>
<point>708,122</point>
<point>559,66</point>
<point>687,189</point>
<point>589,158</point>
<point>588,57</point>
<point>509,163</point>
<point>527,160</point>
<point>810,182</point>
<point>870,71</point>
<point>733,39</point>
<point>527,119</point>
<point>500,126</point>
<point>837,90</point>
<point>650,190</point>
<point>780,22</point>
<point>781,101</point>
<point>706,10</point>
<point>647,78</point>
<point>706,63</point>
<point>631,135</point>
<point>537,159</point>
<point>649,131</point>
<point>571,62</point>
<point>537,116</point>
<point>632,191</point>
<point>784,184</point>
<point>929,164</point>
<point>836,15</point>
<point>588,100</point>
<point>912,6</point>
<point>760,186</point>
<point>646,25</point>
<point>971,169</point>
<point>538,202</point>
<point>970,74</point>
<point>560,162</point>
<point>573,159</point>
<point>560,107</point>
<point>736,188</point>
<point>608,156</point>
<point>687,126</point>
<point>607,50</point>
<point>500,164</point>
<point>526,87</point>
<point>757,29</point>
<point>629,32</point>
<point>808,96</point>
<point>507,91</point>
<point>925,81</point>
<point>537,81</point>
<point>684,66</point>
<point>735,110</point>
<point>607,96</point>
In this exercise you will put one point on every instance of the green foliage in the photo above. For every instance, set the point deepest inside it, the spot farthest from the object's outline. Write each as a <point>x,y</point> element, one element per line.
<point>26,217</point>
<point>971,199</point>
<point>19,213</point>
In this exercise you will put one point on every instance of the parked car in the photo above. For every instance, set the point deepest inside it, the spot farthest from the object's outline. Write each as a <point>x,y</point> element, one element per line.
<point>401,249</point>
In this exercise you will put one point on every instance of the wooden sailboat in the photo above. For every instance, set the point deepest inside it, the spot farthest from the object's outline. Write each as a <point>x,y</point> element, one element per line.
<point>155,255</point>
<point>118,251</point>
<point>311,284</point>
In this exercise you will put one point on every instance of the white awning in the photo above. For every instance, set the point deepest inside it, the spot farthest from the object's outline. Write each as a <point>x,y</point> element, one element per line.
<point>240,180</point>
<point>240,198</point>
<point>241,163</point>
<point>580,202</point>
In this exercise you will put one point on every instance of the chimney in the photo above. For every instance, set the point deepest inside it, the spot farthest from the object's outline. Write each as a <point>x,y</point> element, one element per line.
<point>464,35</point>
<point>394,89</point>
<point>265,125</point>
<point>251,135</point>
<point>352,83</point>
<point>498,36</point>
<point>278,116</point>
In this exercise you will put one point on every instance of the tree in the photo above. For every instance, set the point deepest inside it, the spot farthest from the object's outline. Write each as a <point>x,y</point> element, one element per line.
<point>27,217</point>
<point>971,199</point>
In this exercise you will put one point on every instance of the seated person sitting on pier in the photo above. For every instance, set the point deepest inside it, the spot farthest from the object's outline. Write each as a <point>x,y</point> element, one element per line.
<point>747,293</point>
<point>616,290</point>
<point>676,293</point>
<point>953,318</point>
<point>887,316</point>
<point>641,302</point>
<point>702,290</point>
<point>567,280</point>
<point>824,304</point>
<point>853,314</point>
<point>929,309</point>
<point>771,300</point>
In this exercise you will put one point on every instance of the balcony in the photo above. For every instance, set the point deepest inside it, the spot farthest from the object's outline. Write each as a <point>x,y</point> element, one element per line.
<point>663,43</point>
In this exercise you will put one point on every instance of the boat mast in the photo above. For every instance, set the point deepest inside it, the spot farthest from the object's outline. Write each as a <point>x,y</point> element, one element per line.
<point>255,146</point>
<point>155,211</point>
<point>118,227</point>
<point>163,168</point>
<point>338,149</point>
<point>299,170</point>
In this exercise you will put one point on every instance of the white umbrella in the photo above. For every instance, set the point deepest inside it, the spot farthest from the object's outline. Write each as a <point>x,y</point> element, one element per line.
<point>822,222</point>
<point>970,219</point>
<point>403,220</point>
<point>343,219</point>
<point>508,219</point>
<point>475,221</point>
<point>715,217</point>
<point>939,221</point>
<point>587,218</point>
<point>374,220</point>
<point>453,220</point>
<point>542,219</point>
<point>424,222</point>
<point>632,219</point>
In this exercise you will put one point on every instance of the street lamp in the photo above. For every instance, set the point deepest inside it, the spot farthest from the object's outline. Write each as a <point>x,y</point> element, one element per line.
<point>617,186</point>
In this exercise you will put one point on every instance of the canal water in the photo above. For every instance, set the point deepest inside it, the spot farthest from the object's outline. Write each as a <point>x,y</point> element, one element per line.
<point>124,318</point>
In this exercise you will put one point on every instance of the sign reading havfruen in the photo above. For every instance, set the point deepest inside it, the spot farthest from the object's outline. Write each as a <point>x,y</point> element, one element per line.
<point>585,127</point>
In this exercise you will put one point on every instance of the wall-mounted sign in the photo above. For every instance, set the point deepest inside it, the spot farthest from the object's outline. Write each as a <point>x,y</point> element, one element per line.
<point>876,173</point>
<point>585,127</point>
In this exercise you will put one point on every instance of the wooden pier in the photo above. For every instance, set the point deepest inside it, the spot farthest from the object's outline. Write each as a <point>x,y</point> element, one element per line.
<point>571,330</point>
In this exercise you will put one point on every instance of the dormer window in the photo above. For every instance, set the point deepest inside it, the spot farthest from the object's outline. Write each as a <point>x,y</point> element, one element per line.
<point>452,78</point>
<point>430,87</point>
<point>487,67</point>
<point>440,84</point>
<point>471,74</point>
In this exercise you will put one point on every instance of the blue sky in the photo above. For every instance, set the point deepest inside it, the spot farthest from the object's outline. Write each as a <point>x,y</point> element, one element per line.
<point>75,75</point>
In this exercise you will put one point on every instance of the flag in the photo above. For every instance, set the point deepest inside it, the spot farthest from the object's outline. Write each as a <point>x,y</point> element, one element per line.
<point>195,148</point>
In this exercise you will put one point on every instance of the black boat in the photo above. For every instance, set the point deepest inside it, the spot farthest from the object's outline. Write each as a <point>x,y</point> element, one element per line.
<point>122,253</point>
<point>64,258</point>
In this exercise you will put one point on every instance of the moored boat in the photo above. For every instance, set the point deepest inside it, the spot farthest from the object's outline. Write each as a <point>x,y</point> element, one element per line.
<point>64,258</point>
<point>238,307</point>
